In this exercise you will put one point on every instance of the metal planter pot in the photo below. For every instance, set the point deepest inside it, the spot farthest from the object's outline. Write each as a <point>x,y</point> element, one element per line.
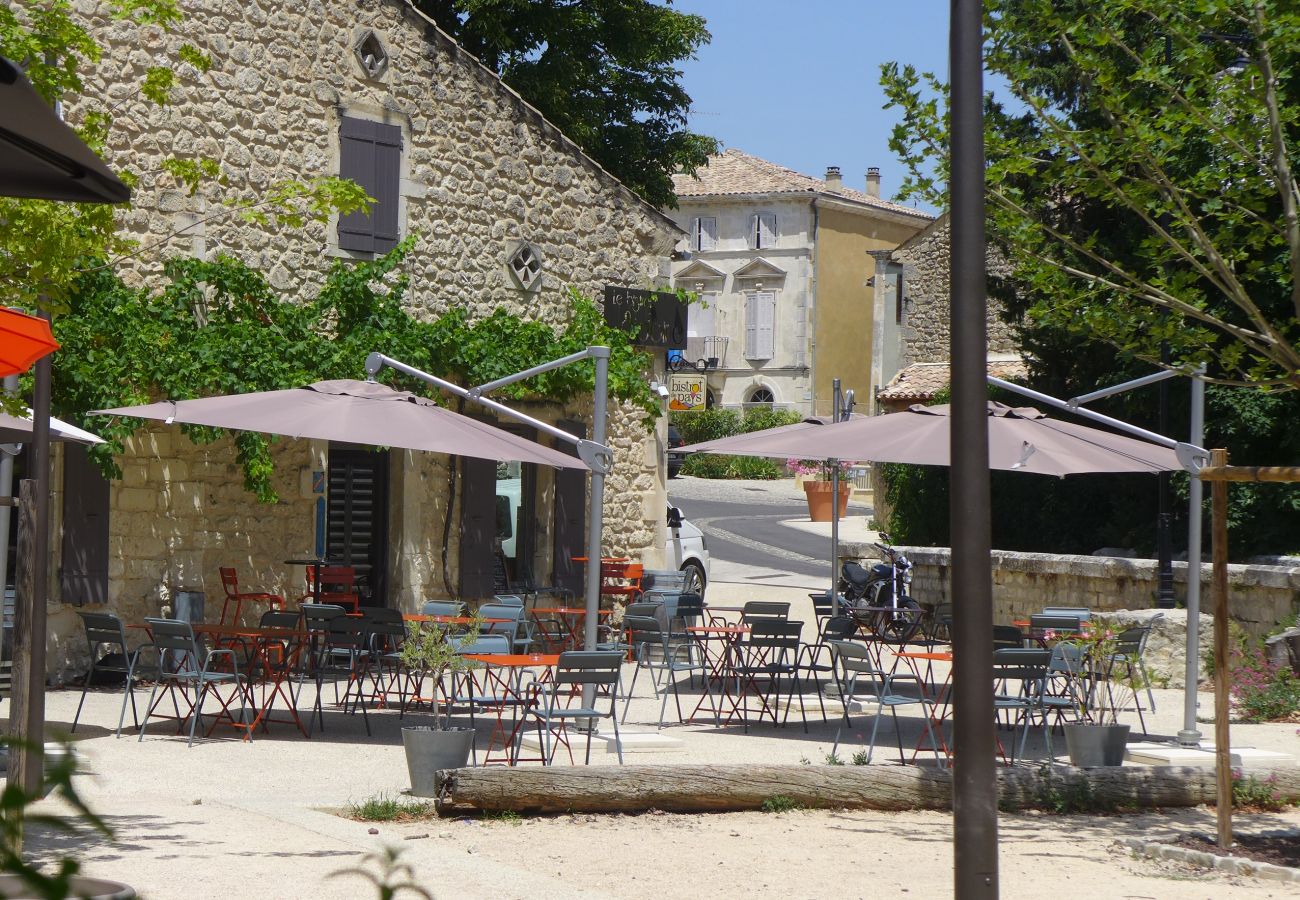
<point>1096,745</point>
<point>430,749</point>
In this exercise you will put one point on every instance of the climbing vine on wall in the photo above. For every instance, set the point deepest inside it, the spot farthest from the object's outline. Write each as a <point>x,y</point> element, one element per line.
<point>218,327</point>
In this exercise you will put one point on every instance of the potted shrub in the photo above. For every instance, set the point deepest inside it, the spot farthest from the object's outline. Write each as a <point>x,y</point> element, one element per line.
<point>817,486</point>
<point>1109,684</point>
<point>428,652</point>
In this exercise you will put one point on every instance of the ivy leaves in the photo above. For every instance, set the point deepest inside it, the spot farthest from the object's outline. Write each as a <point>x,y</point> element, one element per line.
<point>218,327</point>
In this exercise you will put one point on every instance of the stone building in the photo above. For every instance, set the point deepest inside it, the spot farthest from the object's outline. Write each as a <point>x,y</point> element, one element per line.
<point>783,263</point>
<point>504,210</point>
<point>913,335</point>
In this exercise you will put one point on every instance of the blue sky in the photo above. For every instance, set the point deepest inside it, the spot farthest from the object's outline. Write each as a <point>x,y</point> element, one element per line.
<point>797,81</point>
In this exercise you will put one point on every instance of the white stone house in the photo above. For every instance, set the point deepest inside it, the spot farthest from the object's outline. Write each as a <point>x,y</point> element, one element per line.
<point>783,263</point>
<point>505,211</point>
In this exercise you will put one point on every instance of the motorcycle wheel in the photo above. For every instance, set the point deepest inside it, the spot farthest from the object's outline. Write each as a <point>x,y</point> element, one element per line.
<point>902,624</point>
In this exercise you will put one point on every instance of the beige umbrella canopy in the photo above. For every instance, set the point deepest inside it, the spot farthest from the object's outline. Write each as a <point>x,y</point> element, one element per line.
<point>1020,439</point>
<point>357,412</point>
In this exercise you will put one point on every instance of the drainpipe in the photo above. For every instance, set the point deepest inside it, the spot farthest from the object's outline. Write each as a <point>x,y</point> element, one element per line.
<point>810,308</point>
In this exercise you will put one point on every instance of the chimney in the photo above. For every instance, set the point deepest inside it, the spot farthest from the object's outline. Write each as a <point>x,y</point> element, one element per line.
<point>833,182</point>
<point>873,181</point>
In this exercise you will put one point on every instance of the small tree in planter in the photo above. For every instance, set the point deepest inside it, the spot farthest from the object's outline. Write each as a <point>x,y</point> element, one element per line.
<point>429,652</point>
<point>1109,680</point>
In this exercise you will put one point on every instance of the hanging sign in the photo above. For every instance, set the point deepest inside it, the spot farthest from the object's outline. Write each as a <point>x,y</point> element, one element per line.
<point>686,392</point>
<point>658,318</point>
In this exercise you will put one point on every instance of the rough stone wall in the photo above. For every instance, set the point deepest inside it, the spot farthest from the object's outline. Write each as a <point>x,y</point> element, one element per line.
<point>1025,583</point>
<point>482,172</point>
<point>926,317</point>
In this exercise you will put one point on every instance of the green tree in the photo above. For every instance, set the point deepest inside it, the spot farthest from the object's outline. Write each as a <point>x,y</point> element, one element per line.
<point>604,71</point>
<point>1144,190</point>
<point>1139,201</point>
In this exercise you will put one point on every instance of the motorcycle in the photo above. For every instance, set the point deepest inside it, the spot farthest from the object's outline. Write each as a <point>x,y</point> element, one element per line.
<point>880,597</point>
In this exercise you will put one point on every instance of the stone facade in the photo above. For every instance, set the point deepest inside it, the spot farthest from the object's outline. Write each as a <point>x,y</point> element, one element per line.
<point>482,173</point>
<point>925,329</point>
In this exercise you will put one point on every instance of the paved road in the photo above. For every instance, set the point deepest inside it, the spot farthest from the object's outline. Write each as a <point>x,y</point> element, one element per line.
<point>743,523</point>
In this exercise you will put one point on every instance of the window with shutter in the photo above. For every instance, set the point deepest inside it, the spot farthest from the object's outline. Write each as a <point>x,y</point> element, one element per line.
<point>704,233</point>
<point>760,319</point>
<point>357,526</point>
<point>762,231</point>
<point>370,153</point>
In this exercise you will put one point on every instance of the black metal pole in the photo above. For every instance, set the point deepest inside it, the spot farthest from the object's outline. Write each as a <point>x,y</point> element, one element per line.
<point>975,808</point>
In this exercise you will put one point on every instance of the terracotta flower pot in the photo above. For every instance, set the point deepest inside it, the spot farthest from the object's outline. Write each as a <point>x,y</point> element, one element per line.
<point>819,499</point>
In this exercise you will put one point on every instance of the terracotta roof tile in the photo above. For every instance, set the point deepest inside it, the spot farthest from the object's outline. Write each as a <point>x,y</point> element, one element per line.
<point>921,381</point>
<point>736,172</point>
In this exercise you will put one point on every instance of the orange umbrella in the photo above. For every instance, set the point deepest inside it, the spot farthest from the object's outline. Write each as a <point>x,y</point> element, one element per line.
<point>23,340</point>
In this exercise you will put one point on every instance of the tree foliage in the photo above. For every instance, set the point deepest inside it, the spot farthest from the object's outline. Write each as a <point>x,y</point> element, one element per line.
<point>1144,191</point>
<point>605,71</point>
<point>218,327</point>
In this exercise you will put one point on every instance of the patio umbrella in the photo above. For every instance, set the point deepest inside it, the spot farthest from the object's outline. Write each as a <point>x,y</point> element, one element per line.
<point>18,430</point>
<point>23,340</point>
<point>1021,439</point>
<point>357,412</point>
<point>42,158</point>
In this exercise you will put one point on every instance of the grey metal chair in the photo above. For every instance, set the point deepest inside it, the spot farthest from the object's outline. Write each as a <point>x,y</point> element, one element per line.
<point>664,654</point>
<point>344,652</point>
<point>189,668</point>
<point>768,654</point>
<point>576,670</point>
<point>1082,613</point>
<point>889,691</point>
<point>106,632</point>
<point>1027,668</point>
<point>443,608</point>
<point>513,627</point>
<point>1130,652</point>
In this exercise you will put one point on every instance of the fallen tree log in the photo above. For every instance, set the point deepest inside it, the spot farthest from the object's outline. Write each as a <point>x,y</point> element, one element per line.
<point>688,788</point>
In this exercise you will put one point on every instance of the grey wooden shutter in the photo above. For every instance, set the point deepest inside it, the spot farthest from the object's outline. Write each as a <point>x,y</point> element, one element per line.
<point>766,324</point>
<point>83,574</point>
<point>766,230</point>
<point>357,526</point>
<point>370,153</point>
<point>478,527</point>
<point>751,327</point>
<point>705,233</point>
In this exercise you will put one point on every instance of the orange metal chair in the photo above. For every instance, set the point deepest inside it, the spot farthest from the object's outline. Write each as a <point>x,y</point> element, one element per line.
<point>621,579</point>
<point>338,585</point>
<point>230,582</point>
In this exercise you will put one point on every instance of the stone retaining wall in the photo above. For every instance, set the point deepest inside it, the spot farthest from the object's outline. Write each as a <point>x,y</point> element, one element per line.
<point>1023,583</point>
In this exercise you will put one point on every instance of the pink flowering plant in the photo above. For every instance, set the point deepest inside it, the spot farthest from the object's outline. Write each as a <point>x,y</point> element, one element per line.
<point>1261,690</point>
<point>818,469</point>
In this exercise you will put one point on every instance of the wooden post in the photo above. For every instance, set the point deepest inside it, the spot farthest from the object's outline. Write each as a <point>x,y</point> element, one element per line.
<point>1219,589</point>
<point>25,769</point>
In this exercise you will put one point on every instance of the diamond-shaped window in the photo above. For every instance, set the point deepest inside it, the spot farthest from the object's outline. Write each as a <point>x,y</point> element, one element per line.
<point>373,56</point>
<point>526,264</point>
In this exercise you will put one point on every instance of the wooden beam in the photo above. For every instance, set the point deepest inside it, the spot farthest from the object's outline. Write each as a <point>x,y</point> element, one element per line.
<point>701,788</point>
<point>1219,591</point>
<point>1225,472</point>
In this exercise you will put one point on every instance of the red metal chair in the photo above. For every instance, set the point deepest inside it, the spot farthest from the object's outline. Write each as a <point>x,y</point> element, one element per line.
<point>621,579</point>
<point>230,582</point>
<point>338,586</point>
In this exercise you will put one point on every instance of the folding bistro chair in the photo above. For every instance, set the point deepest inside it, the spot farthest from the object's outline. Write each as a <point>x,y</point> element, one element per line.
<point>106,632</point>
<point>443,608</point>
<point>344,652</point>
<point>657,649</point>
<point>189,668</point>
<point>575,670</point>
<point>230,584</point>
<point>1028,669</point>
<point>769,653</point>
<point>856,666</point>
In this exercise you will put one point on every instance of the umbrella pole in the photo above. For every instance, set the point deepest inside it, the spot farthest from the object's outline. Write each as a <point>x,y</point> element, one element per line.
<point>835,534</point>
